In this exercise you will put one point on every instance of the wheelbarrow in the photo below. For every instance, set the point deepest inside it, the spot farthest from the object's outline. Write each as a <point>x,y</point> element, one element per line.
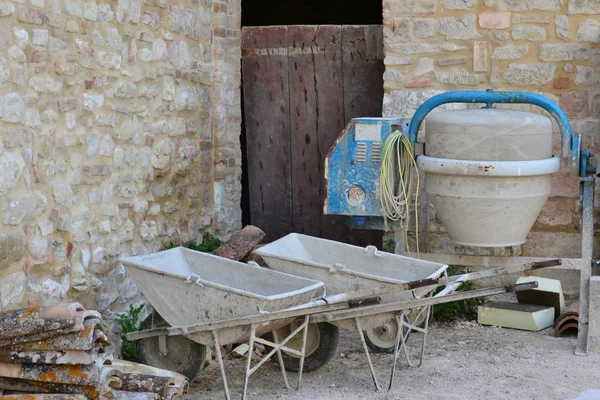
<point>345,268</point>
<point>187,288</point>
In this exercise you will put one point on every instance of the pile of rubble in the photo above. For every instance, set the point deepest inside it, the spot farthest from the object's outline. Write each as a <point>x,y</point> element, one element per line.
<point>62,353</point>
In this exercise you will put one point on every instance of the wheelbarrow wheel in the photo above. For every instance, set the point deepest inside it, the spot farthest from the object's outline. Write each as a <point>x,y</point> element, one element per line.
<point>383,338</point>
<point>183,355</point>
<point>321,344</point>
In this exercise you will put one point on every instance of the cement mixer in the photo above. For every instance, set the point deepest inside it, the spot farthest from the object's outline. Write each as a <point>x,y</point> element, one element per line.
<point>488,173</point>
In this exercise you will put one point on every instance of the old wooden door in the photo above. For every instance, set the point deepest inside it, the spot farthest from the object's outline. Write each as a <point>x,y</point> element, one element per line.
<point>302,85</point>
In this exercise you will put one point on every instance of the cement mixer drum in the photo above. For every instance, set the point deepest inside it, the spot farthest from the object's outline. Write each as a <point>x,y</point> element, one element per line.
<point>488,173</point>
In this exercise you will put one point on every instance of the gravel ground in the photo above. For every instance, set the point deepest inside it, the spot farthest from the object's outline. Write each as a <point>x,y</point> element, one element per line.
<point>462,361</point>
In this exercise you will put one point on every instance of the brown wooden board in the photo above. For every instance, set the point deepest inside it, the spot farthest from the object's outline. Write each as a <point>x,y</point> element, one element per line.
<point>317,118</point>
<point>363,71</point>
<point>266,96</point>
<point>362,48</point>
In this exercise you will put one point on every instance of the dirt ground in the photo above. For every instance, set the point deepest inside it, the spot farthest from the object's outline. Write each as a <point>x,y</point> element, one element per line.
<point>462,361</point>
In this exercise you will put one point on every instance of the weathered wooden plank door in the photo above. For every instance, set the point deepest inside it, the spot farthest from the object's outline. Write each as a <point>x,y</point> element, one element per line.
<point>363,71</point>
<point>266,96</point>
<point>331,77</point>
<point>363,91</point>
<point>317,118</point>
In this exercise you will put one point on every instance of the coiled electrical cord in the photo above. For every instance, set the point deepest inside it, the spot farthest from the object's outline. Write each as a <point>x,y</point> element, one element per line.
<point>396,180</point>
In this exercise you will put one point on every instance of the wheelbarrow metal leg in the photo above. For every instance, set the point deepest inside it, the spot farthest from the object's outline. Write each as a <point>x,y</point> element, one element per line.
<point>304,336</point>
<point>280,359</point>
<point>399,339</point>
<point>249,363</point>
<point>276,347</point>
<point>425,335</point>
<point>221,365</point>
<point>424,330</point>
<point>366,349</point>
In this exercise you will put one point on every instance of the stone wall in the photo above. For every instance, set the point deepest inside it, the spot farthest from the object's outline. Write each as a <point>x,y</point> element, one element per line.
<point>120,124</point>
<point>545,46</point>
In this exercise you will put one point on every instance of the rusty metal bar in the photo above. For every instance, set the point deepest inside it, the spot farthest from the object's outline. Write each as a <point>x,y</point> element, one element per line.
<point>546,264</point>
<point>405,305</point>
<point>365,301</point>
<point>345,297</point>
<point>422,283</point>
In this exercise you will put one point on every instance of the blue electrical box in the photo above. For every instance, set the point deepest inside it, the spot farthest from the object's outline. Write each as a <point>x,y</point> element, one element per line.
<point>352,170</point>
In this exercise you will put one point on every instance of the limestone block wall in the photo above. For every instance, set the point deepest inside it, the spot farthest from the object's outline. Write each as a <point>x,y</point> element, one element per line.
<point>120,124</point>
<point>545,46</point>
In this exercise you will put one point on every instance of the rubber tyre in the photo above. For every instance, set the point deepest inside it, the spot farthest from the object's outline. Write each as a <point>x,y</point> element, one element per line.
<point>329,336</point>
<point>386,350</point>
<point>186,356</point>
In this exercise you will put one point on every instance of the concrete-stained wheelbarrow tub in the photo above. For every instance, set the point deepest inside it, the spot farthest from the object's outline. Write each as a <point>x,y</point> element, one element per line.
<point>187,287</point>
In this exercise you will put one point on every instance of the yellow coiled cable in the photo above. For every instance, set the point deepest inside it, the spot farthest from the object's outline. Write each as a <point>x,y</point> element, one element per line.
<point>396,180</point>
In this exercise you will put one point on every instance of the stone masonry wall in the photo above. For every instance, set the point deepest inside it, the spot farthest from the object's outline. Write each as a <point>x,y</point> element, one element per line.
<point>120,124</point>
<point>545,46</point>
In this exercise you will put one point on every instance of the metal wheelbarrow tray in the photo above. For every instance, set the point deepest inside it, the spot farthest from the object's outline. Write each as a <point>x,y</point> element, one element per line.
<point>345,268</point>
<point>187,287</point>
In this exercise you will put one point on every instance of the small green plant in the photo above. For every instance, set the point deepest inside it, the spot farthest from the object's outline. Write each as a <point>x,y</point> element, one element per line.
<point>208,245</point>
<point>130,322</point>
<point>169,246</point>
<point>388,246</point>
<point>463,309</point>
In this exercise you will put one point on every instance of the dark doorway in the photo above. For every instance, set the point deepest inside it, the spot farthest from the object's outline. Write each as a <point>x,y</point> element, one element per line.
<point>311,12</point>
